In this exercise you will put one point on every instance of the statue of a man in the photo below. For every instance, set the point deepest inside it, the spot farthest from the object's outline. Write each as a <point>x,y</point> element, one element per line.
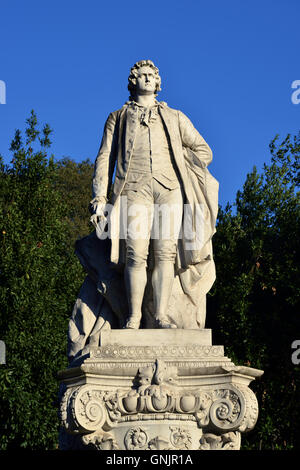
<point>152,155</point>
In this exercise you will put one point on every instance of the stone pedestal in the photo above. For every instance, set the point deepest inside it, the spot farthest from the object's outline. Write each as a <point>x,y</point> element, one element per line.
<point>156,390</point>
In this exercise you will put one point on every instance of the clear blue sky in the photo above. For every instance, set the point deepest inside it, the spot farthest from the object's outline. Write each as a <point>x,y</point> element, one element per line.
<point>228,65</point>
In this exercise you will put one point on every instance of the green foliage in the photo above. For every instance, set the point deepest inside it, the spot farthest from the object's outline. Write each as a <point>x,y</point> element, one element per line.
<point>74,182</point>
<point>40,278</point>
<point>254,305</point>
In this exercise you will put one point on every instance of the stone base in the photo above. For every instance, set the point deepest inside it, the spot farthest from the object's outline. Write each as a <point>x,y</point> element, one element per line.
<point>155,390</point>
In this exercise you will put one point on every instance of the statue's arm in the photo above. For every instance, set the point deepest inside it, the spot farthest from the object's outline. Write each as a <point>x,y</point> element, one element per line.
<point>193,140</point>
<point>105,162</point>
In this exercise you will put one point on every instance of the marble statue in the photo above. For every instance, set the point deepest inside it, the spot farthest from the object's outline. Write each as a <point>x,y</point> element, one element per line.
<point>144,373</point>
<point>150,157</point>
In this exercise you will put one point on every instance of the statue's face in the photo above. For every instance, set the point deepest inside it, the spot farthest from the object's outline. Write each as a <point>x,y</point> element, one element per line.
<point>145,82</point>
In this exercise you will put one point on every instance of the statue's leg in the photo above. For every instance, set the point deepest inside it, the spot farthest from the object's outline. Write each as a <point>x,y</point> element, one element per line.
<point>166,221</point>
<point>162,282</point>
<point>137,246</point>
<point>135,282</point>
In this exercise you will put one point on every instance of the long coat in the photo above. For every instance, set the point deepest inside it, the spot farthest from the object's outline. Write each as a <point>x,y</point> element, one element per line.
<point>191,155</point>
<point>102,298</point>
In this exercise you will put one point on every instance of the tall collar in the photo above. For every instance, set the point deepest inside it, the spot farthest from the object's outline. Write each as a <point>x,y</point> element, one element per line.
<point>134,104</point>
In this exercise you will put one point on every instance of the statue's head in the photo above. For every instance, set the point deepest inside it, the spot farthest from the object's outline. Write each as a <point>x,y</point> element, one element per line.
<point>144,79</point>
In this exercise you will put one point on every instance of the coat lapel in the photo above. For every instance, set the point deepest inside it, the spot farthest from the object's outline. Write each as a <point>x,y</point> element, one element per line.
<point>128,121</point>
<point>172,126</point>
<point>131,125</point>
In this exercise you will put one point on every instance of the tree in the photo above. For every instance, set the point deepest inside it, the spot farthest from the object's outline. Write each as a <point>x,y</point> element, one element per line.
<point>254,305</point>
<point>74,183</point>
<point>40,278</point>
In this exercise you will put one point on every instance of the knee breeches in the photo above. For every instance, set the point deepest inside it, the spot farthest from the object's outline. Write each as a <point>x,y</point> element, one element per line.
<point>153,212</point>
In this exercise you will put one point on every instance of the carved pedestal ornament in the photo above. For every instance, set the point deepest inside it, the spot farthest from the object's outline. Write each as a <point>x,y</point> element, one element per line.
<point>158,410</point>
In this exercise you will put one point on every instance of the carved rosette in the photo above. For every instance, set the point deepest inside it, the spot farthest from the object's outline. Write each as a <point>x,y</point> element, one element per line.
<point>177,438</point>
<point>136,439</point>
<point>180,438</point>
<point>88,411</point>
<point>227,410</point>
<point>82,409</point>
<point>117,351</point>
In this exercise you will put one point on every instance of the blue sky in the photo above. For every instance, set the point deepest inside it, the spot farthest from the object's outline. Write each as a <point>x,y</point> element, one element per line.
<point>228,65</point>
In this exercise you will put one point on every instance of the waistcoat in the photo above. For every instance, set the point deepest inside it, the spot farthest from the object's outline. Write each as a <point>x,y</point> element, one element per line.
<point>152,155</point>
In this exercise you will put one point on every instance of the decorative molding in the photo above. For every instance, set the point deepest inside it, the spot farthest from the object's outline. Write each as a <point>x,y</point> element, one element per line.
<point>251,411</point>
<point>114,351</point>
<point>95,367</point>
<point>219,411</point>
<point>159,443</point>
<point>227,441</point>
<point>180,438</point>
<point>137,439</point>
<point>100,441</point>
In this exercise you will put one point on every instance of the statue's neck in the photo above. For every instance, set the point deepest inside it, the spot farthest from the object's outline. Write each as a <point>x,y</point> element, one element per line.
<point>145,100</point>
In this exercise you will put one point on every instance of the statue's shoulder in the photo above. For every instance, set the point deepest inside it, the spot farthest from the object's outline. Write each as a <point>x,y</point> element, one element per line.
<point>114,116</point>
<point>121,112</point>
<point>172,111</point>
<point>176,115</point>
<point>117,112</point>
<point>165,106</point>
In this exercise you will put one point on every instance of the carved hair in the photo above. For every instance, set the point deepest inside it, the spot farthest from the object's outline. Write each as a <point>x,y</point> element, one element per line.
<point>134,74</point>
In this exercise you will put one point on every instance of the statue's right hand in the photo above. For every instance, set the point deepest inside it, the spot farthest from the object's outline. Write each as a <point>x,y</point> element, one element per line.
<point>94,220</point>
<point>96,206</point>
<point>98,215</point>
